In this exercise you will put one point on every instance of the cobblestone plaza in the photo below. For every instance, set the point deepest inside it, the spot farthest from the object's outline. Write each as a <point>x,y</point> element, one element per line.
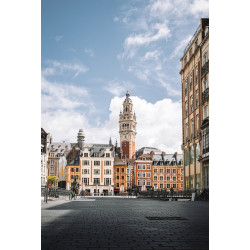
<point>120,223</point>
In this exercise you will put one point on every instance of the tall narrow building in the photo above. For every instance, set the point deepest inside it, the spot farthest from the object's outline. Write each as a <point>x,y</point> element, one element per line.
<point>195,108</point>
<point>127,129</point>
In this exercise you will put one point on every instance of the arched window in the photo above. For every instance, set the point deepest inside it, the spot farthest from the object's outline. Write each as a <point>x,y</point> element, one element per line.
<point>126,108</point>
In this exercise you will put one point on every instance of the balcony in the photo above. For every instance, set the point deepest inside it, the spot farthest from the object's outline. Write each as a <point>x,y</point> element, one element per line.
<point>205,95</point>
<point>205,68</point>
<point>205,150</point>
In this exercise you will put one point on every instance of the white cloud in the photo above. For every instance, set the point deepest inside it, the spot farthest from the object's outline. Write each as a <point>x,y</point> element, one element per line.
<point>58,38</point>
<point>90,52</point>
<point>180,47</point>
<point>48,71</point>
<point>57,67</point>
<point>116,19</point>
<point>159,31</point>
<point>62,96</point>
<point>160,7</point>
<point>117,88</point>
<point>152,55</point>
<point>158,124</point>
<point>200,7</point>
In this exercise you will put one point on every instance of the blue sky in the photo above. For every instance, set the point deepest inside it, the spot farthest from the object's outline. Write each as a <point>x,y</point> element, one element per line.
<point>93,51</point>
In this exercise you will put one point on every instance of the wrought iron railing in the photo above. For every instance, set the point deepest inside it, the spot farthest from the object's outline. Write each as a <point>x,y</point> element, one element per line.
<point>205,95</point>
<point>205,68</point>
<point>205,150</point>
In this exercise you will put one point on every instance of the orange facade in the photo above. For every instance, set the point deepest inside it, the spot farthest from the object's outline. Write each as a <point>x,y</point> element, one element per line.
<point>73,172</point>
<point>166,177</point>
<point>120,177</point>
<point>143,174</point>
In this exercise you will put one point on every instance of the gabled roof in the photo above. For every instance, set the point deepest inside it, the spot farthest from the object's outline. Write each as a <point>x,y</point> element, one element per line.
<point>168,160</point>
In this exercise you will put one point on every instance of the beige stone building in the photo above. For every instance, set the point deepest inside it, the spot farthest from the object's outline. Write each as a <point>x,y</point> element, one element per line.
<point>57,162</point>
<point>97,169</point>
<point>45,141</point>
<point>195,108</point>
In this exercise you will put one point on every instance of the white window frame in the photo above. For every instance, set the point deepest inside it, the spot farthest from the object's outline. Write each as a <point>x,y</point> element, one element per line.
<point>98,170</point>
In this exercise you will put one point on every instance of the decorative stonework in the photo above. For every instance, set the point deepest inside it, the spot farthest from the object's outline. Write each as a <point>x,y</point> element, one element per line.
<point>127,128</point>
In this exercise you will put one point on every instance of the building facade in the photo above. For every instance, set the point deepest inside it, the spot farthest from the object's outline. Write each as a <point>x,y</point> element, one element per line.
<point>45,141</point>
<point>127,129</point>
<point>97,169</point>
<point>168,172</point>
<point>195,109</point>
<point>57,153</point>
<point>120,176</point>
<point>73,169</point>
<point>144,172</point>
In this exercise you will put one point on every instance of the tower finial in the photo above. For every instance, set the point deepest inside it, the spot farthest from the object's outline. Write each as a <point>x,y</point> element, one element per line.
<point>127,94</point>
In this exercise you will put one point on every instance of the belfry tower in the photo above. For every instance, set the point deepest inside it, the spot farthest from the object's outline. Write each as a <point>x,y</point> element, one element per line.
<point>127,129</point>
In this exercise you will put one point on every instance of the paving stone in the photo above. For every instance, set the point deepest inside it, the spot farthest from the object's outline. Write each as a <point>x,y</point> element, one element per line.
<point>109,223</point>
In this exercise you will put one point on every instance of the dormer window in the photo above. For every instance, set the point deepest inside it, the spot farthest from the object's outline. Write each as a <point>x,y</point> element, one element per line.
<point>144,159</point>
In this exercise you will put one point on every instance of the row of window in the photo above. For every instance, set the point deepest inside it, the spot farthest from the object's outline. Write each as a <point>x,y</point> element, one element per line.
<point>143,174</point>
<point>143,182</point>
<point>189,157</point>
<point>196,77</point>
<point>161,170</point>
<point>109,171</point>
<point>168,186</point>
<point>143,166</point>
<point>192,127</point>
<point>96,163</point>
<point>118,170</point>
<point>118,177</point>
<point>107,181</point>
<point>192,103</point>
<point>191,80</point>
<point>95,154</point>
<point>197,124</point>
<point>168,178</point>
